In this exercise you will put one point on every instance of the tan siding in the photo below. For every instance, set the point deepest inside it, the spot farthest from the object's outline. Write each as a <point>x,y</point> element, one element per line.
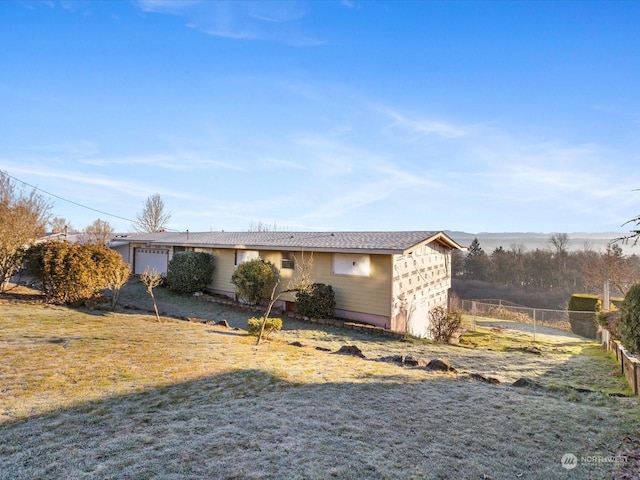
<point>370,295</point>
<point>223,261</point>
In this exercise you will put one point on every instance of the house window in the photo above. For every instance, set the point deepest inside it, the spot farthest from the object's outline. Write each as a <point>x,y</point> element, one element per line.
<point>288,261</point>
<point>351,264</point>
<point>244,255</point>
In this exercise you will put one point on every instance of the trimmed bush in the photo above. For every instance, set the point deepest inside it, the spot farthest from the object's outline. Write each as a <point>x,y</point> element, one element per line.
<point>317,302</point>
<point>190,272</point>
<point>254,280</point>
<point>581,302</point>
<point>582,323</point>
<point>74,273</point>
<point>271,325</point>
<point>629,322</point>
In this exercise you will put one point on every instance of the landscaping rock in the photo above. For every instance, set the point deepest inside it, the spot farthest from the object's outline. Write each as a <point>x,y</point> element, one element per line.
<point>351,350</point>
<point>529,349</point>
<point>414,361</point>
<point>439,365</point>
<point>482,378</point>
<point>408,360</point>
<point>195,320</point>
<point>526,382</point>
<point>296,344</point>
<point>323,349</point>
<point>392,359</point>
<point>223,323</point>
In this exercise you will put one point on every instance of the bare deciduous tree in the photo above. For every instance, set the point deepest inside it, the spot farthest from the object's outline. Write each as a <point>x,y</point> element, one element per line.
<point>151,279</point>
<point>635,232</point>
<point>23,218</point>
<point>60,225</point>
<point>116,279</point>
<point>300,281</point>
<point>261,226</point>
<point>612,265</point>
<point>100,231</point>
<point>560,242</point>
<point>153,217</point>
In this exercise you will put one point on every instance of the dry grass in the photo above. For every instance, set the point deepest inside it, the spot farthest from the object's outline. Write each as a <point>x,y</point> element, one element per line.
<point>118,395</point>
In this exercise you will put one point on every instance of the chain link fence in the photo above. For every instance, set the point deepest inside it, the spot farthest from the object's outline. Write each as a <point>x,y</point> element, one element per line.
<point>533,320</point>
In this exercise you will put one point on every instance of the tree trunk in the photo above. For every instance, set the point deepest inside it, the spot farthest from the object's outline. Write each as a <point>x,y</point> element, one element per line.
<point>272,300</point>
<point>264,320</point>
<point>155,307</point>
<point>115,296</point>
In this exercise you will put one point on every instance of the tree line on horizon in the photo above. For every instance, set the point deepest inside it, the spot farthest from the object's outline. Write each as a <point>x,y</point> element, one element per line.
<point>550,274</point>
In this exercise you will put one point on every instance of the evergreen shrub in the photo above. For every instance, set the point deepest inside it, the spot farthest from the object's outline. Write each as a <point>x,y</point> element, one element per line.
<point>629,322</point>
<point>272,324</point>
<point>190,272</point>
<point>254,280</point>
<point>317,302</point>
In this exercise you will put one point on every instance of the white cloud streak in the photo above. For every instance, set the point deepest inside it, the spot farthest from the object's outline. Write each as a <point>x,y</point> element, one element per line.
<point>423,127</point>
<point>240,20</point>
<point>185,161</point>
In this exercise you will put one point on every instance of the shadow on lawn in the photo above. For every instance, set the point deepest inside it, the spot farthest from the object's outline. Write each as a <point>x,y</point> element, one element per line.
<point>228,333</point>
<point>135,300</point>
<point>592,371</point>
<point>250,424</point>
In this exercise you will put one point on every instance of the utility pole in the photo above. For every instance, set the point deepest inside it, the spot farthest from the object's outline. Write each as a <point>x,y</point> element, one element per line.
<point>606,297</point>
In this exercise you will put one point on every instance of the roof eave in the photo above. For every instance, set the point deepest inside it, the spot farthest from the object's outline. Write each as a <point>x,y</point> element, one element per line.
<point>439,237</point>
<point>290,248</point>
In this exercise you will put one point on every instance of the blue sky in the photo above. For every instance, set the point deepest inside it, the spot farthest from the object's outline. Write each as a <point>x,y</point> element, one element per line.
<point>327,115</point>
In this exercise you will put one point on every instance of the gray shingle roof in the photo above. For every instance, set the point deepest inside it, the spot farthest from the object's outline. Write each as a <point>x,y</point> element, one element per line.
<point>381,242</point>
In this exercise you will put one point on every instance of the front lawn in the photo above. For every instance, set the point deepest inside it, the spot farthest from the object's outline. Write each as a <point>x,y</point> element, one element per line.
<point>93,394</point>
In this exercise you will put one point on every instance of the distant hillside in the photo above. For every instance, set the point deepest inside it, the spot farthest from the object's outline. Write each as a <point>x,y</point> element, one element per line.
<point>532,240</point>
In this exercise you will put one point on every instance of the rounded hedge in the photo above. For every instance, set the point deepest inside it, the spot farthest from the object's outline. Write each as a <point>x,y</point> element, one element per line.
<point>271,325</point>
<point>190,272</point>
<point>317,302</point>
<point>254,280</point>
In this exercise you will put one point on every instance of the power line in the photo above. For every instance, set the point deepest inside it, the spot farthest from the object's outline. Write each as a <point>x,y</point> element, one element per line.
<point>69,201</point>
<point>76,203</point>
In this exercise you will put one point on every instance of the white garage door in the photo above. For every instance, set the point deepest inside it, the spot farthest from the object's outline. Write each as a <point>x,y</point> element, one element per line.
<point>151,258</point>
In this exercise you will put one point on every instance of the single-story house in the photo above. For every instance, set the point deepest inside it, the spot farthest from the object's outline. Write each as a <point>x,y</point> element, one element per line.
<point>388,279</point>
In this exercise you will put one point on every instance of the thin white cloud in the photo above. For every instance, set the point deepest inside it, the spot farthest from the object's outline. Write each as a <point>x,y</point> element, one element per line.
<point>423,127</point>
<point>277,11</point>
<point>270,162</point>
<point>549,183</point>
<point>241,20</point>
<point>339,205</point>
<point>546,168</point>
<point>185,161</point>
<point>348,3</point>
<point>406,179</point>
<point>69,150</point>
<point>326,157</point>
<point>113,184</point>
